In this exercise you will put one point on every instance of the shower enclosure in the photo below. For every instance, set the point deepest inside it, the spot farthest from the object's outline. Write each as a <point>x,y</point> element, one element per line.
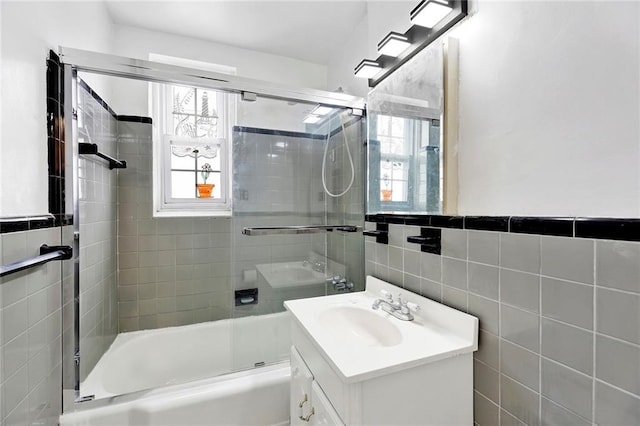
<point>283,238</point>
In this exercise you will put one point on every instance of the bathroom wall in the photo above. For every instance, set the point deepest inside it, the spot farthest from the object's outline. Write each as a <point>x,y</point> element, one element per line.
<point>172,271</point>
<point>30,336</point>
<point>559,318</point>
<point>28,31</point>
<point>549,109</point>
<point>97,196</point>
<point>138,43</point>
<point>548,105</point>
<point>25,43</point>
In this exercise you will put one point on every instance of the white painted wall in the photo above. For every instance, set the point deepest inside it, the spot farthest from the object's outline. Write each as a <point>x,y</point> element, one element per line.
<point>549,104</point>
<point>131,98</point>
<point>381,18</point>
<point>550,109</point>
<point>29,30</point>
<point>344,60</point>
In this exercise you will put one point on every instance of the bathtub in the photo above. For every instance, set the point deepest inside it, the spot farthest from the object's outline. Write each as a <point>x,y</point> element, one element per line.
<point>164,360</point>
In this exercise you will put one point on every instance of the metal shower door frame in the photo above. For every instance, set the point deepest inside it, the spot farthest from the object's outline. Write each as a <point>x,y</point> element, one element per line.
<point>74,60</point>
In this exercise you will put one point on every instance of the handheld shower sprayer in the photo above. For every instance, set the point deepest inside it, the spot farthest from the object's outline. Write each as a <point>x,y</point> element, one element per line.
<point>324,160</point>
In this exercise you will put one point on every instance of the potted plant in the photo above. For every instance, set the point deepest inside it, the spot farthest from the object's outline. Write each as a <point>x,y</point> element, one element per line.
<point>204,189</point>
<point>386,192</point>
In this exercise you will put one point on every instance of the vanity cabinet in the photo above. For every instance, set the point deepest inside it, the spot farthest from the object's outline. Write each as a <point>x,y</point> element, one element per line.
<point>352,365</point>
<point>440,393</point>
<point>309,404</point>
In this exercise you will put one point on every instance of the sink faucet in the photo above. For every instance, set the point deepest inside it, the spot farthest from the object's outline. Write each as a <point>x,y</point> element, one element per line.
<point>400,309</point>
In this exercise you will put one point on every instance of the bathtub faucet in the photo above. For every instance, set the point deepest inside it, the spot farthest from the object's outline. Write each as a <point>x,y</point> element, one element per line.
<point>400,309</point>
<point>340,283</point>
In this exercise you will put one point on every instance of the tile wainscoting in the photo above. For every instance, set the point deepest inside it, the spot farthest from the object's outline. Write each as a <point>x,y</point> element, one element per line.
<point>559,316</point>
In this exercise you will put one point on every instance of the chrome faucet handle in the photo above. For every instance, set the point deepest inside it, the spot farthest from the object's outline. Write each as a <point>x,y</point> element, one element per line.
<point>387,295</point>
<point>413,306</point>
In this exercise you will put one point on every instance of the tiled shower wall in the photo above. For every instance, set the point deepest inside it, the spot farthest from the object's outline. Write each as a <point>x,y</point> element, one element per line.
<point>559,319</point>
<point>176,271</point>
<point>172,271</point>
<point>30,336</point>
<point>97,198</point>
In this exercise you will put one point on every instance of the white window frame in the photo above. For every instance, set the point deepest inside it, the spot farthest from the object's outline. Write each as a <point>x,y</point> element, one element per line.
<point>160,97</point>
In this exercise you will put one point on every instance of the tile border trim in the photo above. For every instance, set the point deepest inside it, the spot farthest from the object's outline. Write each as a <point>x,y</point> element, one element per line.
<point>286,133</point>
<point>105,105</point>
<point>29,223</point>
<point>623,229</point>
<point>134,119</point>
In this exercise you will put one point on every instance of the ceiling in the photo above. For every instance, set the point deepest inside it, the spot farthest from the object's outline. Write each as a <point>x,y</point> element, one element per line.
<point>309,30</point>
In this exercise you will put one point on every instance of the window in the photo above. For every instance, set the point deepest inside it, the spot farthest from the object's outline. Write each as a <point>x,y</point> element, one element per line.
<point>405,153</point>
<point>394,159</point>
<point>191,150</point>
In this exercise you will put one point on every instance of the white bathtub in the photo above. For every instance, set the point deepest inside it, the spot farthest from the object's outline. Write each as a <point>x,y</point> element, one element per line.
<point>156,358</point>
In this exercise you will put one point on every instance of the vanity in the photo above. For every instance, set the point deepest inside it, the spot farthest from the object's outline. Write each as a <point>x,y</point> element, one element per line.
<point>352,364</point>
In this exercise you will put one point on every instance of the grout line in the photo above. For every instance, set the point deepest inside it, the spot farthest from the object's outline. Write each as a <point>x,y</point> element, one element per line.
<point>631,394</point>
<point>593,345</point>
<point>500,326</point>
<point>540,331</point>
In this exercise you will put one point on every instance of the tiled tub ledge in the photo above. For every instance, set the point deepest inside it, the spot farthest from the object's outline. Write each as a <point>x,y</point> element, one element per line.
<point>625,229</point>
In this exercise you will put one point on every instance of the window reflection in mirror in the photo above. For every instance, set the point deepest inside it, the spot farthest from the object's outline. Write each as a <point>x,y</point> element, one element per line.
<point>404,114</point>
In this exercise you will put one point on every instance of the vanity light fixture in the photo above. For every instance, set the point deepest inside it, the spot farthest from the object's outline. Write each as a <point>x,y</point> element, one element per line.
<point>367,69</point>
<point>393,44</point>
<point>429,12</point>
<point>431,19</point>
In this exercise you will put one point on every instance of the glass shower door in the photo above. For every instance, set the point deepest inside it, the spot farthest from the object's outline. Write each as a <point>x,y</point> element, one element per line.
<point>277,181</point>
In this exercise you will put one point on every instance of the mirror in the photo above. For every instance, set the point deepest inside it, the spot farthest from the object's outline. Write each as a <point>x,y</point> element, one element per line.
<point>405,155</point>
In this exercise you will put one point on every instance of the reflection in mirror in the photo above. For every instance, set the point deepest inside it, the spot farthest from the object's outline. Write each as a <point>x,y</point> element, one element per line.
<point>404,137</point>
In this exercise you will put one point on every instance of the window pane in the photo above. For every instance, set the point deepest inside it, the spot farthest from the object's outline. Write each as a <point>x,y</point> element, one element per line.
<point>385,144</point>
<point>397,146</point>
<point>399,189</point>
<point>383,124</point>
<point>206,103</point>
<point>184,100</point>
<point>183,185</point>
<point>184,125</point>
<point>206,127</point>
<point>182,162</point>
<point>397,126</point>
<point>400,170</point>
<point>212,165</point>
<point>215,162</point>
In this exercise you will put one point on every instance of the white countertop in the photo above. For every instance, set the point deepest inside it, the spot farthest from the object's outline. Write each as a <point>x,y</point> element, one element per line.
<point>361,343</point>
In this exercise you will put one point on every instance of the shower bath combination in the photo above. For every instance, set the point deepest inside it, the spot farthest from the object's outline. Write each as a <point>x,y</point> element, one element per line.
<point>165,287</point>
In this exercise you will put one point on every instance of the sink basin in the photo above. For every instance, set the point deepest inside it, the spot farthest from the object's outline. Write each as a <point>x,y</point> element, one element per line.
<point>358,326</point>
<point>360,343</point>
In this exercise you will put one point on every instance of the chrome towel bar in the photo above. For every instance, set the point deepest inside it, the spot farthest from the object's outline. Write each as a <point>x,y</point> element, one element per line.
<point>47,254</point>
<point>311,229</point>
<point>92,149</point>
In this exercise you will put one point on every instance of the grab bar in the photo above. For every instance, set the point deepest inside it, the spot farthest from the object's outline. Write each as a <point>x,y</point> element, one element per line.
<point>47,254</point>
<point>314,229</point>
<point>92,149</point>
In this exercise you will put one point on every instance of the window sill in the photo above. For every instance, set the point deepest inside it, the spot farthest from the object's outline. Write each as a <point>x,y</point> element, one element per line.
<point>192,213</point>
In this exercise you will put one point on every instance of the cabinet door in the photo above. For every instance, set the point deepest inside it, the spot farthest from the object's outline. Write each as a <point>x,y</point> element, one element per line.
<point>323,412</point>
<point>301,379</point>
